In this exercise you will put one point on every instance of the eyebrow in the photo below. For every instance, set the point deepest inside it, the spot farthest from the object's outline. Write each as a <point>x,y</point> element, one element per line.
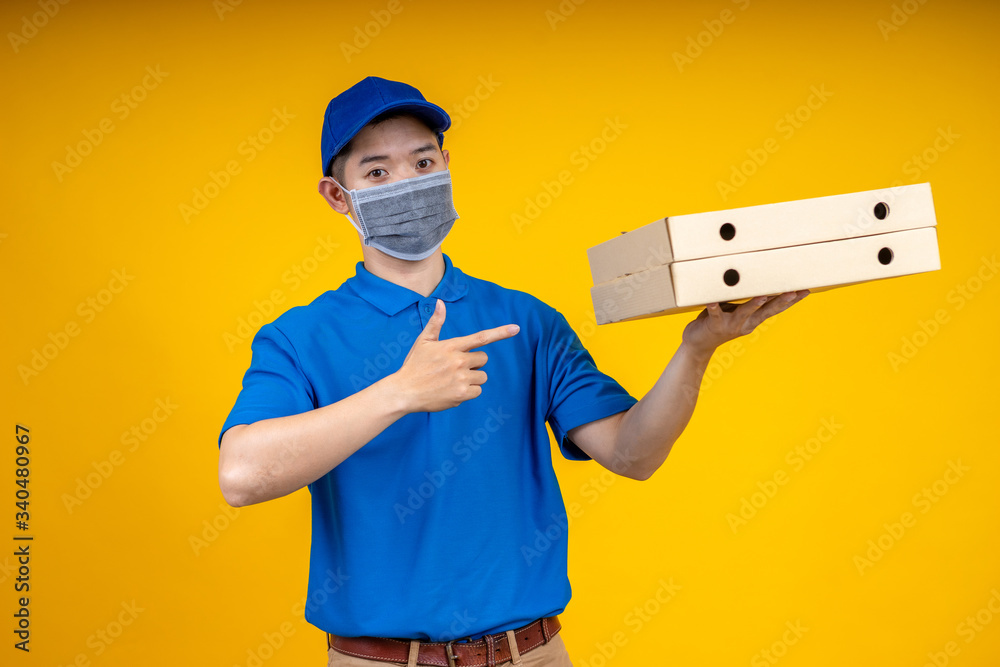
<point>375,158</point>
<point>423,149</point>
<point>372,158</point>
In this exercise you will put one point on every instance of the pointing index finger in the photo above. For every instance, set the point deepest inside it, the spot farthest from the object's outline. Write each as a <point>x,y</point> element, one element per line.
<point>484,337</point>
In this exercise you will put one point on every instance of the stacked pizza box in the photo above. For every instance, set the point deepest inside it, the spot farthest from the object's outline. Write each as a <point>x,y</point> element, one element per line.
<point>684,262</point>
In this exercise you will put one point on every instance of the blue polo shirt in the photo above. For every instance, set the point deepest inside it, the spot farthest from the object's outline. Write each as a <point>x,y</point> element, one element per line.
<point>447,524</point>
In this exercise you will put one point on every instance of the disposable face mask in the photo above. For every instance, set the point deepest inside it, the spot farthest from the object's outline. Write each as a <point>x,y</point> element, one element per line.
<point>407,219</point>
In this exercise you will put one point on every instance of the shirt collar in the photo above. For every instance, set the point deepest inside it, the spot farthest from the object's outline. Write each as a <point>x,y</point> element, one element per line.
<point>391,298</point>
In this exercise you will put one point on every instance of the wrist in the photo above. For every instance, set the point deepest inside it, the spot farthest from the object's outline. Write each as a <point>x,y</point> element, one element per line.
<point>393,394</point>
<point>699,353</point>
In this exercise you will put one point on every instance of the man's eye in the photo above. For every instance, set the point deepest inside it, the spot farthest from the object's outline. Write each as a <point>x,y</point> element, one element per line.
<point>376,173</point>
<point>423,164</point>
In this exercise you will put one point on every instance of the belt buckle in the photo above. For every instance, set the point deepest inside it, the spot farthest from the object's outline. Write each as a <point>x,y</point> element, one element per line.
<point>450,654</point>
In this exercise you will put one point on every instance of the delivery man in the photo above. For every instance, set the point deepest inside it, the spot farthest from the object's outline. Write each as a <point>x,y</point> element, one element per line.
<point>413,400</point>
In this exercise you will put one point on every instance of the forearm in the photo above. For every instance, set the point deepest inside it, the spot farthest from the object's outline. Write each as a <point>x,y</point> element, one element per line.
<point>649,429</point>
<point>274,457</point>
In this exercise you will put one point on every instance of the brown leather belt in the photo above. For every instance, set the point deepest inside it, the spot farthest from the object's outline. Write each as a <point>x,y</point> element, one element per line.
<point>486,651</point>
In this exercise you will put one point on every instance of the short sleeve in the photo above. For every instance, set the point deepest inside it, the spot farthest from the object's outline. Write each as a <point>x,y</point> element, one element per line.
<point>579,393</point>
<point>274,385</point>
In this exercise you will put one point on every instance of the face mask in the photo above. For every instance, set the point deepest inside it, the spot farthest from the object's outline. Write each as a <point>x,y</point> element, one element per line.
<point>407,219</point>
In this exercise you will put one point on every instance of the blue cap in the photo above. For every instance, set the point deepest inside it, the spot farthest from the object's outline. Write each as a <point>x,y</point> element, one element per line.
<point>354,108</point>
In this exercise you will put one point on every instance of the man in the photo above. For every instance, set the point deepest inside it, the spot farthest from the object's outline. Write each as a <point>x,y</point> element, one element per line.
<point>427,458</point>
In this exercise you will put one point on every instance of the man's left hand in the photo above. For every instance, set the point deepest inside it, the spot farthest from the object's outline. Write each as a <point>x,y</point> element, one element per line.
<point>721,323</point>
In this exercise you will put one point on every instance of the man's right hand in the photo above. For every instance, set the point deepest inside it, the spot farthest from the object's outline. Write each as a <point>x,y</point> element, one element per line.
<point>440,374</point>
<point>271,458</point>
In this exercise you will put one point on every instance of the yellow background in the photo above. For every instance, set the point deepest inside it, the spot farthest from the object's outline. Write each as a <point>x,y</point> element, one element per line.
<point>557,74</point>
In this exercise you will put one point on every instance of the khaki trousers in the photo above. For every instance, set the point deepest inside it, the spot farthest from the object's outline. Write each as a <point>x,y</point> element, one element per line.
<point>551,654</point>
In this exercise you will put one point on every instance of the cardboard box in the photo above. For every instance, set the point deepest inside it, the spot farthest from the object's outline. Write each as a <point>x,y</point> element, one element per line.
<point>679,264</point>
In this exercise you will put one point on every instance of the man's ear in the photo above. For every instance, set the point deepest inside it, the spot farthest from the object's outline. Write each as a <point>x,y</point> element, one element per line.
<point>447,156</point>
<point>334,195</point>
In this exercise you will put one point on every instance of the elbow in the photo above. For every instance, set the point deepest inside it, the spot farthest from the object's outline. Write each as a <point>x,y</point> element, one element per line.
<point>242,486</point>
<point>641,475</point>
<point>233,474</point>
<point>626,463</point>
<point>643,470</point>
<point>233,490</point>
<point>647,471</point>
<point>634,470</point>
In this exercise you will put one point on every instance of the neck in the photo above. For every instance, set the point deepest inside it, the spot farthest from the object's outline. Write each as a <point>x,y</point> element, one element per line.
<point>421,276</point>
